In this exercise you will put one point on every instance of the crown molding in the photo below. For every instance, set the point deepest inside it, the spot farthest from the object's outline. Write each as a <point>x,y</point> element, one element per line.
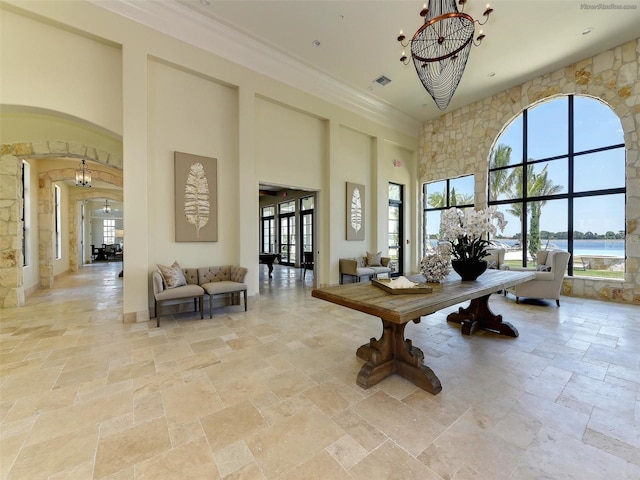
<point>187,25</point>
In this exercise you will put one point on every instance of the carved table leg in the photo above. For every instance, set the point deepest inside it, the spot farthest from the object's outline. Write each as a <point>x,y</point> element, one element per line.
<point>478,316</point>
<point>395,354</point>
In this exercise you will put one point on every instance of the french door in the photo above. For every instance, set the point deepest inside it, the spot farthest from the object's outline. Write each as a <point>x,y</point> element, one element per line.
<point>396,230</point>
<point>287,217</point>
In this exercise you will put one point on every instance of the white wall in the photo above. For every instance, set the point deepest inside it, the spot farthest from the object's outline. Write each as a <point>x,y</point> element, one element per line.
<point>65,72</point>
<point>290,146</point>
<point>192,114</point>
<point>354,166</point>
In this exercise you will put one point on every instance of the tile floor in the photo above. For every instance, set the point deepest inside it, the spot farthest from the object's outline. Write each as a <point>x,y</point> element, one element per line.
<point>271,393</point>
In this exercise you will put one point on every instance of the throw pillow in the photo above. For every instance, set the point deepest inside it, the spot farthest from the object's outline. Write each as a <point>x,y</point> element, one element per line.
<point>492,264</point>
<point>173,276</point>
<point>360,261</point>
<point>374,259</point>
<point>543,268</point>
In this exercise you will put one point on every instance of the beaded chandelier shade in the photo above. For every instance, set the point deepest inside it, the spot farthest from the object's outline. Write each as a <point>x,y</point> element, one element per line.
<point>440,48</point>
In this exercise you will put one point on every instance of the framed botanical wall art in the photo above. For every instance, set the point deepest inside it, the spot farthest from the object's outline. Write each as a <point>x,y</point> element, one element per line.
<point>355,211</point>
<point>196,192</point>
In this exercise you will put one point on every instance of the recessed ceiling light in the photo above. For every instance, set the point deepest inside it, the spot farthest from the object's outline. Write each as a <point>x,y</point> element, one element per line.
<point>587,30</point>
<point>491,74</point>
<point>316,43</point>
<point>205,2</point>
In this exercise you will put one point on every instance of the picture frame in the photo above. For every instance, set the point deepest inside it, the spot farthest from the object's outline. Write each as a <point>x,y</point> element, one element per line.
<point>355,211</point>
<point>196,191</point>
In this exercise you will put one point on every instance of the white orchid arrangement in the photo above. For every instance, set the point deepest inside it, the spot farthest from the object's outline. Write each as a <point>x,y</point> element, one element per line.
<point>467,230</point>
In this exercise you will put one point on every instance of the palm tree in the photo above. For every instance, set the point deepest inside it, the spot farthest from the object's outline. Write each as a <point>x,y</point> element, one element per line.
<point>500,181</point>
<point>438,200</point>
<point>540,186</point>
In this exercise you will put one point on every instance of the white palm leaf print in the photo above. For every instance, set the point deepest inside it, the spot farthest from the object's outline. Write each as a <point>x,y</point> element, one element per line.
<point>196,198</point>
<point>356,210</point>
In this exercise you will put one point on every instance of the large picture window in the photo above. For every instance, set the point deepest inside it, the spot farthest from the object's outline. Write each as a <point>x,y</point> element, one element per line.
<point>557,172</point>
<point>108,231</point>
<point>438,196</point>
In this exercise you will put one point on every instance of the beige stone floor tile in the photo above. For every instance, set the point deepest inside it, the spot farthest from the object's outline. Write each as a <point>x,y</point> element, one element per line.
<point>55,454</point>
<point>289,383</point>
<point>347,451</point>
<point>332,398</point>
<point>282,409</point>
<point>187,402</point>
<point>412,430</point>
<point>390,461</point>
<point>21,385</point>
<point>131,446</point>
<point>469,443</point>
<point>40,402</point>
<point>241,389</point>
<point>368,436</point>
<point>248,472</point>
<point>320,467</point>
<point>556,455</point>
<point>232,424</point>
<point>10,446</point>
<point>233,457</point>
<point>131,370</point>
<point>293,441</point>
<point>77,472</point>
<point>76,417</point>
<point>116,424</point>
<point>185,433</point>
<point>148,407</point>
<point>192,460</point>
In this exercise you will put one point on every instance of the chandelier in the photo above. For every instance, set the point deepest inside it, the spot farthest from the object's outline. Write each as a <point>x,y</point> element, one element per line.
<point>83,175</point>
<point>440,48</point>
<point>107,207</point>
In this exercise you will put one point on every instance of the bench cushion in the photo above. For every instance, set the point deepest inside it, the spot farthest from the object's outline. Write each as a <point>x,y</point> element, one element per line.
<point>378,270</point>
<point>224,286</point>
<point>185,291</point>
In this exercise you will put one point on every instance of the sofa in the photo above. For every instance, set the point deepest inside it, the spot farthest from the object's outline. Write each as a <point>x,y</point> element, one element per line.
<point>174,284</point>
<point>367,266</point>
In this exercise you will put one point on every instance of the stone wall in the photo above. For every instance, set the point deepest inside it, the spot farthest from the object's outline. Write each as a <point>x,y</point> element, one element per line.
<point>459,143</point>
<point>11,286</point>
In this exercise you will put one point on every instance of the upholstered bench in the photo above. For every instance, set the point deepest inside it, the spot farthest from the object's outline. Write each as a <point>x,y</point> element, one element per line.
<point>222,280</point>
<point>367,266</point>
<point>173,284</point>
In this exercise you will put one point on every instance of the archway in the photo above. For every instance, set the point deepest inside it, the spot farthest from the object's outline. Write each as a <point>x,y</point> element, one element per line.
<point>12,287</point>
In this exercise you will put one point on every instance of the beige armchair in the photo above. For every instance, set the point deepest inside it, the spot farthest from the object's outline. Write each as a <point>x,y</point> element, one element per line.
<point>551,266</point>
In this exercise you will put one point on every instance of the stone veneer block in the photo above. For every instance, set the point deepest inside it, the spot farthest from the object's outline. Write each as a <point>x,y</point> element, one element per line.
<point>59,147</point>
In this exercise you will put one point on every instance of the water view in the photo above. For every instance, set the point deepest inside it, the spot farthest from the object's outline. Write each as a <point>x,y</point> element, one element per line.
<point>609,248</point>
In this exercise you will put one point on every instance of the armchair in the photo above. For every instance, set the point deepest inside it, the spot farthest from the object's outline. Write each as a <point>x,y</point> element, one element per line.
<point>551,266</point>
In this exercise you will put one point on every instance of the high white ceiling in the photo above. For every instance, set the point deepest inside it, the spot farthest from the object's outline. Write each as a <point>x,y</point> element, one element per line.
<point>525,38</point>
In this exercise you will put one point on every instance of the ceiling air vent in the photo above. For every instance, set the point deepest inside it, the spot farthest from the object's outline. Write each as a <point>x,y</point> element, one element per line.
<point>382,80</point>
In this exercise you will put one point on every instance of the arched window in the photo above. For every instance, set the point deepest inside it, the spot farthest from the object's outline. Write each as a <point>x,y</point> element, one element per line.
<point>557,172</point>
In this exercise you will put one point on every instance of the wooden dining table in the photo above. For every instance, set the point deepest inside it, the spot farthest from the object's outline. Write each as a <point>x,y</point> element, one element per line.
<point>392,352</point>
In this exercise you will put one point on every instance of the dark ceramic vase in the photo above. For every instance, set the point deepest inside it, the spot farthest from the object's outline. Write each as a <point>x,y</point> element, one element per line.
<point>469,269</point>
